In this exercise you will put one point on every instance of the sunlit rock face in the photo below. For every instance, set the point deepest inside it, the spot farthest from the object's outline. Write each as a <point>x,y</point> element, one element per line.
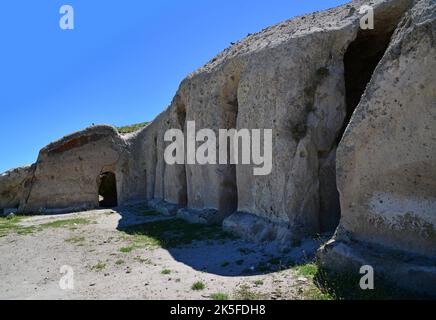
<point>386,163</point>
<point>11,186</point>
<point>309,80</point>
<point>289,78</point>
<point>67,172</point>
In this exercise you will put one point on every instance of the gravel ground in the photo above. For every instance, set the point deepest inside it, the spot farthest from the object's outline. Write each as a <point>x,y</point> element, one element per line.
<point>108,263</point>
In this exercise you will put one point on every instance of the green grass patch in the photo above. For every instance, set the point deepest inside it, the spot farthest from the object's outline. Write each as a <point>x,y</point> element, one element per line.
<point>76,240</point>
<point>127,249</point>
<point>245,293</point>
<point>166,271</point>
<point>346,286</point>
<point>132,128</point>
<point>66,223</point>
<point>311,290</point>
<point>219,296</point>
<point>10,225</point>
<point>99,266</point>
<point>171,233</point>
<point>308,270</point>
<point>142,260</point>
<point>120,262</point>
<point>258,283</point>
<point>198,286</point>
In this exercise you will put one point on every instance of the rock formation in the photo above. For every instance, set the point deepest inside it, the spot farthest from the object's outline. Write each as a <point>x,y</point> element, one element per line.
<point>309,79</point>
<point>11,186</point>
<point>67,171</point>
<point>387,164</point>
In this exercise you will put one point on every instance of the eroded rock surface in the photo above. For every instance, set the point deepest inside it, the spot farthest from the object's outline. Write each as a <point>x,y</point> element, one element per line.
<point>387,162</point>
<point>66,174</point>
<point>303,79</point>
<point>11,186</point>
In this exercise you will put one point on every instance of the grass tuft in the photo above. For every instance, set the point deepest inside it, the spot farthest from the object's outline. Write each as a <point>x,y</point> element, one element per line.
<point>132,128</point>
<point>198,286</point>
<point>66,223</point>
<point>10,224</point>
<point>171,233</point>
<point>99,266</point>
<point>244,292</point>
<point>308,270</point>
<point>258,283</point>
<point>79,241</point>
<point>127,249</point>
<point>219,296</point>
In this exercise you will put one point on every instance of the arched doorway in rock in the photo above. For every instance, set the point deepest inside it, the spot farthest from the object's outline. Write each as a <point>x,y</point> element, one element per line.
<point>107,190</point>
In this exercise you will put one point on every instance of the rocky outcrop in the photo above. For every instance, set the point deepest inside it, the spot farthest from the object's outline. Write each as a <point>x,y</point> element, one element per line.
<point>308,79</point>
<point>11,186</point>
<point>288,78</point>
<point>386,164</point>
<point>67,172</point>
<point>291,79</point>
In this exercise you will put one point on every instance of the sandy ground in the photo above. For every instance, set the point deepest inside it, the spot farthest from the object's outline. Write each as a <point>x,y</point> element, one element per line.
<point>30,264</point>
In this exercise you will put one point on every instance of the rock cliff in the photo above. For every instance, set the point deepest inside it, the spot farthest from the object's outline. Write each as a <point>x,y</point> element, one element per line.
<point>353,114</point>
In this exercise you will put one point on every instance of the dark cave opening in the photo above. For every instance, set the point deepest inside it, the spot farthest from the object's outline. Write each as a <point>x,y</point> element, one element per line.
<point>228,199</point>
<point>360,61</point>
<point>107,190</point>
<point>181,118</point>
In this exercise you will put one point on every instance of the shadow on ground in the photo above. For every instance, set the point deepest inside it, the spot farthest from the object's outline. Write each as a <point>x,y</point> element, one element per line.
<point>209,248</point>
<point>346,286</point>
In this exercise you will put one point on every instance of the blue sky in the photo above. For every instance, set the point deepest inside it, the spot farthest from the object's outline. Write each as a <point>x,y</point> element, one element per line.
<point>121,64</point>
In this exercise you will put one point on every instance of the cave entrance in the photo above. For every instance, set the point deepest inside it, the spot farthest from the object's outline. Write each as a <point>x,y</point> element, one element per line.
<point>181,173</point>
<point>228,189</point>
<point>107,190</point>
<point>360,61</point>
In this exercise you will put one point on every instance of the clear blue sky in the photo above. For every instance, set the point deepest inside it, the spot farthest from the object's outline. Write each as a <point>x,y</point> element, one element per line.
<point>121,65</point>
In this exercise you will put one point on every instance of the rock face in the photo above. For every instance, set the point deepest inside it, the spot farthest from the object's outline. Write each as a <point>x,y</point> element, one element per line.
<point>11,186</point>
<point>67,172</point>
<point>304,79</point>
<point>387,163</point>
<point>291,78</point>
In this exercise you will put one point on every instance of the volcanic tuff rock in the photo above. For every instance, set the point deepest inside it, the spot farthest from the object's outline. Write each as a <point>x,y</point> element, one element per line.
<point>387,164</point>
<point>309,79</point>
<point>66,173</point>
<point>11,186</point>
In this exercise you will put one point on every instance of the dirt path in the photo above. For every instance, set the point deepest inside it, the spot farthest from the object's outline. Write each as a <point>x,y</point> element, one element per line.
<point>133,253</point>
